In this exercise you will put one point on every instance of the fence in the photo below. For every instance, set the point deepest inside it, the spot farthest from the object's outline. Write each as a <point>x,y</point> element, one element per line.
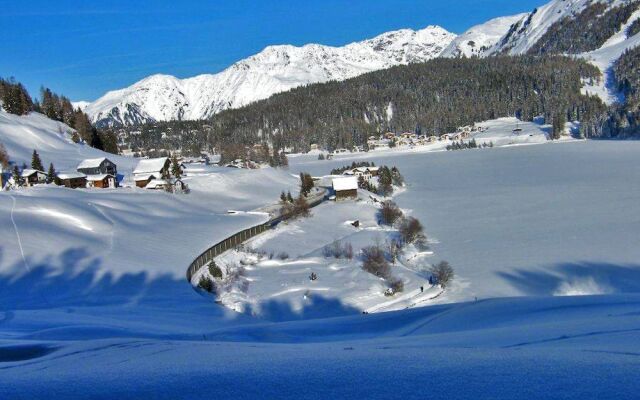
<point>227,244</point>
<point>237,239</point>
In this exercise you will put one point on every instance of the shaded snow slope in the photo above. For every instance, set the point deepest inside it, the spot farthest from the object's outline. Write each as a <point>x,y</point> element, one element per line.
<point>275,69</point>
<point>578,348</point>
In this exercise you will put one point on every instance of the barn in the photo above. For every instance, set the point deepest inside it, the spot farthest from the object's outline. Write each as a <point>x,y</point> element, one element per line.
<point>102,181</point>
<point>73,180</point>
<point>345,187</point>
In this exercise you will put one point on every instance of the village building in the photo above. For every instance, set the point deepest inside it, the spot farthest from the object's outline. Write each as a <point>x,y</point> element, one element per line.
<point>158,184</point>
<point>150,169</point>
<point>446,136</point>
<point>33,177</point>
<point>98,166</point>
<point>102,181</point>
<point>389,135</point>
<point>345,187</point>
<point>432,138</point>
<point>314,146</point>
<point>73,180</point>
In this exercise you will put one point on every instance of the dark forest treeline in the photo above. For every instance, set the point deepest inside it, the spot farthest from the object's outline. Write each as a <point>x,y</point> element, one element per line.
<point>586,31</point>
<point>17,100</point>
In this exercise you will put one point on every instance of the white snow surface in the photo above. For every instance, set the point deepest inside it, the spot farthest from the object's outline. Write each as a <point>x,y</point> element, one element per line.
<point>605,57</point>
<point>479,39</point>
<point>94,302</point>
<point>273,70</point>
<point>23,134</point>
<point>532,26</point>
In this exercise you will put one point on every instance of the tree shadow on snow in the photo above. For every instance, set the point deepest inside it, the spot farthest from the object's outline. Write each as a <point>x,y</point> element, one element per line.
<point>585,278</point>
<point>75,277</point>
<point>314,307</point>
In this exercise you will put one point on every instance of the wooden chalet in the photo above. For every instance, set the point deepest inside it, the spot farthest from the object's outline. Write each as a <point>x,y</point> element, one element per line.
<point>98,166</point>
<point>151,169</point>
<point>102,181</point>
<point>73,180</point>
<point>345,187</point>
<point>33,177</point>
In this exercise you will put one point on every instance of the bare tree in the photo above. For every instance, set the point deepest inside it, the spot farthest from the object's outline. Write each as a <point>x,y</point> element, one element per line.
<point>442,273</point>
<point>411,231</point>
<point>389,213</point>
<point>375,262</point>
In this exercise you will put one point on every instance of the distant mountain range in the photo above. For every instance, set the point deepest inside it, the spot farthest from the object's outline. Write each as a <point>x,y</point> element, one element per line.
<point>280,68</point>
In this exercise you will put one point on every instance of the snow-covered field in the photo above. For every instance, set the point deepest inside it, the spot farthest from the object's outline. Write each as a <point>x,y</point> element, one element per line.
<point>553,219</point>
<point>93,288</point>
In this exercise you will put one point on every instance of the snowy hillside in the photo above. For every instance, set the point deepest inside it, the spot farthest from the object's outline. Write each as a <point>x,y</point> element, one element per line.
<point>478,40</point>
<point>275,69</point>
<point>526,32</point>
<point>52,139</point>
<point>606,56</point>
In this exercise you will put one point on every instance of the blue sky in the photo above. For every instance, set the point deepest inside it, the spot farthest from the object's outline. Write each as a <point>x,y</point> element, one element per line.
<point>84,48</point>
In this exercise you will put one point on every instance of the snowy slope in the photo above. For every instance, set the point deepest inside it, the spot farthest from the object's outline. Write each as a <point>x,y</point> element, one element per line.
<point>531,27</point>
<point>478,40</point>
<point>52,139</point>
<point>605,57</point>
<point>275,69</point>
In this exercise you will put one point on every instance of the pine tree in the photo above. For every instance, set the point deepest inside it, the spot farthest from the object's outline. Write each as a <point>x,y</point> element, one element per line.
<point>36,163</point>
<point>51,175</point>
<point>289,197</point>
<point>283,198</point>
<point>4,156</point>
<point>17,178</point>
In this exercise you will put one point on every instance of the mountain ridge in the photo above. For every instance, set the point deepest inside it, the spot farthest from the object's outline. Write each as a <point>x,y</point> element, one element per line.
<point>275,69</point>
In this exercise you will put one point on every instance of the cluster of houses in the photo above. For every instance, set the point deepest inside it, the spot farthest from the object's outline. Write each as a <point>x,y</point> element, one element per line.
<point>410,139</point>
<point>102,173</point>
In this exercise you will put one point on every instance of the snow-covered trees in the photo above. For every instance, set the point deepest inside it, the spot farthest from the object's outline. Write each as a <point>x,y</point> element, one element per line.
<point>586,31</point>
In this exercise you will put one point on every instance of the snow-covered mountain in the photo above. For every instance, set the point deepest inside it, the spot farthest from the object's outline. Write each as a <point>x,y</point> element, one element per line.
<point>273,70</point>
<point>478,40</point>
<point>525,32</point>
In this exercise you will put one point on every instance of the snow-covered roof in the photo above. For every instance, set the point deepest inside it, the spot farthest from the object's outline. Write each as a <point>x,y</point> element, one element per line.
<point>91,162</point>
<point>157,183</point>
<point>348,183</point>
<point>150,165</point>
<point>29,172</point>
<point>143,177</point>
<point>71,175</point>
<point>95,178</point>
